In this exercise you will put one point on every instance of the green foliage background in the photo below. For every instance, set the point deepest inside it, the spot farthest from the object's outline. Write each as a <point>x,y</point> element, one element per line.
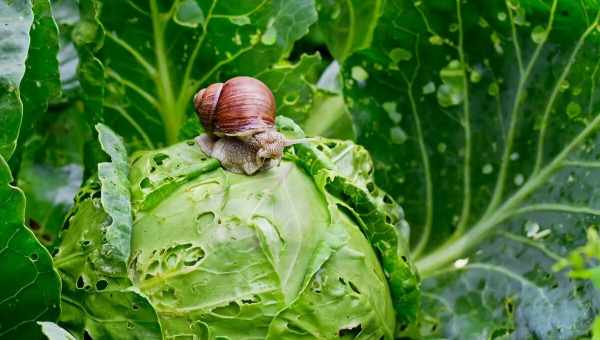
<point>481,118</point>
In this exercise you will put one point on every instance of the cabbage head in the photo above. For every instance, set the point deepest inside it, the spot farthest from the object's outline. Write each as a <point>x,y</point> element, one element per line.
<point>167,244</point>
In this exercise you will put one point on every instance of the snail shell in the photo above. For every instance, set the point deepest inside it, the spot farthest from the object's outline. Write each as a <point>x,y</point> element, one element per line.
<point>240,106</point>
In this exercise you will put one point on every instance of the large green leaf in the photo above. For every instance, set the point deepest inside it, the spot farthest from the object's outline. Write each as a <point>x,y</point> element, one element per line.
<point>115,197</point>
<point>30,289</point>
<point>348,25</point>
<point>96,297</point>
<point>15,21</point>
<point>157,54</point>
<point>41,81</point>
<point>481,117</point>
<point>51,170</point>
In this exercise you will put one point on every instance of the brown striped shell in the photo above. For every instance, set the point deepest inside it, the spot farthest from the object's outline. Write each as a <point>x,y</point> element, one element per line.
<point>240,106</point>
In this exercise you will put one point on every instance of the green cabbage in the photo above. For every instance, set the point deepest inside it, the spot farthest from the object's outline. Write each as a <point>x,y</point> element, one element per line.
<point>309,249</point>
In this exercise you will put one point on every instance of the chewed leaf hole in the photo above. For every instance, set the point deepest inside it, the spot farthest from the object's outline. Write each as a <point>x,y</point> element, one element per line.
<point>350,332</point>
<point>80,282</point>
<point>34,257</point>
<point>232,309</point>
<point>371,187</point>
<point>145,183</point>
<point>85,243</point>
<point>353,287</point>
<point>101,284</point>
<point>160,158</point>
<point>135,306</point>
<point>251,300</point>
<point>296,329</point>
<point>130,325</point>
<point>193,256</point>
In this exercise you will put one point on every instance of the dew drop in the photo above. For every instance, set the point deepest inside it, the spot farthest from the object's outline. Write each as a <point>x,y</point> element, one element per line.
<point>400,54</point>
<point>397,135</point>
<point>391,109</point>
<point>493,89</point>
<point>429,88</point>
<point>514,156</point>
<point>519,179</point>
<point>436,40</point>
<point>539,34</point>
<point>359,74</point>
<point>475,76</point>
<point>573,110</point>
<point>531,228</point>
<point>487,169</point>
<point>501,16</point>
<point>461,263</point>
<point>564,85</point>
<point>441,147</point>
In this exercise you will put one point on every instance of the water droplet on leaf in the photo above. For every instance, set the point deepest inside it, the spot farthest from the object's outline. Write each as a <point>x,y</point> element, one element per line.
<point>519,179</point>
<point>391,109</point>
<point>487,169</point>
<point>436,40</point>
<point>539,34</point>
<point>429,88</point>
<point>400,54</point>
<point>573,110</point>
<point>452,91</point>
<point>397,135</point>
<point>359,74</point>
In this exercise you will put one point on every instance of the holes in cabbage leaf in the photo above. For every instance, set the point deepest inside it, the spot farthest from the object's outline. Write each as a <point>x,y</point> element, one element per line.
<point>85,243</point>
<point>295,329</point>
<point>101,284</point>
<point>80,282</point>
<point>34,225</point>
<point>190,142</point>
<point>135,306</point>
<point>145,183</point>
<point>193,256</point>
<point>232,309</point>
<point>331,145</point>
<point>371,187</point>
<point>159,158</point>
<point>251,300</point>
<point>350,332</point>
<point>130,325</point>
<point>34,257</point>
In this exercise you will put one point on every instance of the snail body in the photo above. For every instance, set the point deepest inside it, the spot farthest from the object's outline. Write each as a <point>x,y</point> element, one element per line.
<point>239,121</point>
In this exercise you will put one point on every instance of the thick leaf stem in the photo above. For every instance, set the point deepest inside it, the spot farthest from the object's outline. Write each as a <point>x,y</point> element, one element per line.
<point>466,122</point>
<point>458,247</point>
<point>172,118</point>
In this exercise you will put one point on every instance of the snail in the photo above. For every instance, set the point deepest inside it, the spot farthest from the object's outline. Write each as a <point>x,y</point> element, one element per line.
<point>238,117</point>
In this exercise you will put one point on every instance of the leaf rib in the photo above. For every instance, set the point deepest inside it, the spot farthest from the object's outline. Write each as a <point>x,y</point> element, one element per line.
<point>514,117</point>
<point>555,92</point>
<point>136,55</point>
<point>466,122</point>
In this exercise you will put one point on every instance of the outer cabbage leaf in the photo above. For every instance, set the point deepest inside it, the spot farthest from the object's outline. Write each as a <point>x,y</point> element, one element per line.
<point>15,23</point>
<point>51,170</point>
<point>482,120</point>
<point>31,289</point>
<point>166,51</point>
<point>96,301</point>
